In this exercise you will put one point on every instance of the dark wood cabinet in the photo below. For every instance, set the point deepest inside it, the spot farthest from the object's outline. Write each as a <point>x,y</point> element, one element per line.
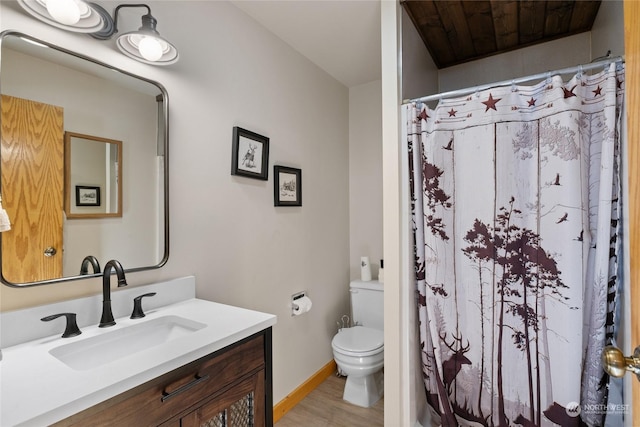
<point>229,388</point>
<point>236,407</point>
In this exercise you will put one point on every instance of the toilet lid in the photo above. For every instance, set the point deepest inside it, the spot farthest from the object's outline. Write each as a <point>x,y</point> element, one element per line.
<point>359,339</point>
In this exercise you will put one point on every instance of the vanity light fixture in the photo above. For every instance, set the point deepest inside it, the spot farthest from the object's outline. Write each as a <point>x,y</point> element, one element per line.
<point>144,45</point>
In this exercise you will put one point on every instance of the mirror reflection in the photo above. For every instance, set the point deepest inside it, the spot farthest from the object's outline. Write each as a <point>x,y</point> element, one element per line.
<point>92,178</point>
<point>64,119</point>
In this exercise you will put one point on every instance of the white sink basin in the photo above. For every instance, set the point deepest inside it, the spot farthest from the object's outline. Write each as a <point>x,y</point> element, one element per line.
<point>107,347</point>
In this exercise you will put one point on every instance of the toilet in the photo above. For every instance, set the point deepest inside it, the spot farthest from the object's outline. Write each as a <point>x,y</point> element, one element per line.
<point>359,350</point>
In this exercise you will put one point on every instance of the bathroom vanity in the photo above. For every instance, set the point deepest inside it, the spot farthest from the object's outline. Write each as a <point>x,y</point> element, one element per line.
<point>187,362</point>
<point>223,388</point>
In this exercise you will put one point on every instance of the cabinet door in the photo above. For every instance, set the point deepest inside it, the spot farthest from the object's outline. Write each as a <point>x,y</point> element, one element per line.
<point>241,405</point>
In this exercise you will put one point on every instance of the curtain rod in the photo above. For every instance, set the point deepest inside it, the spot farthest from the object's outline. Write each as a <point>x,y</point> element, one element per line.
<point>548,74</point>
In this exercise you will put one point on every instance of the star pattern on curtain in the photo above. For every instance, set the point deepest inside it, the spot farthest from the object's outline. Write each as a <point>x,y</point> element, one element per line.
<point>568,93</point>
<point>491,103</point>
<point>527,102</point>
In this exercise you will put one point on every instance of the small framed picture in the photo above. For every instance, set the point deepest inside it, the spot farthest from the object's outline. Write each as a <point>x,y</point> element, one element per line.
<point>287,186</point>
<point>250,154</point>
<point>87,195</point>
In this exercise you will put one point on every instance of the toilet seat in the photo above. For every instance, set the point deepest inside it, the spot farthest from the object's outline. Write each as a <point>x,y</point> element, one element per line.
<point>358,341</point>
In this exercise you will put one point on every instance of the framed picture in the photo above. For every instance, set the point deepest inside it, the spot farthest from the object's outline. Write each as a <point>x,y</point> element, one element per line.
<point>250,154</point>
<point>287,186</point>
<point>87,196</point>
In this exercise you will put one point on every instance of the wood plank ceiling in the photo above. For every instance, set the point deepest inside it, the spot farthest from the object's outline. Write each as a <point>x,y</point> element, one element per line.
<point>458,31</point>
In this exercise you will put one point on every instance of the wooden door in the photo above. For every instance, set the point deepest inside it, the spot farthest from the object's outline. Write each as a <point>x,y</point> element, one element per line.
<point>32,177</point>
<point>632,86</point>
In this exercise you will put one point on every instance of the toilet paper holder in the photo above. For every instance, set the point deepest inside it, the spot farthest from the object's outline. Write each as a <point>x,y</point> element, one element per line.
<point>294,298</point>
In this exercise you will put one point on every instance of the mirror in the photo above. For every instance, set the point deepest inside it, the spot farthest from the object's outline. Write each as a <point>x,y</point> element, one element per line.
<point>92,180</point>
<point>83,164</point>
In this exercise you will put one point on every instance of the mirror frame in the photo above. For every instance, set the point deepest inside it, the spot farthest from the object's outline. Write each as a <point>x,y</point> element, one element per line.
<point>69,194</point>
<point>163,129</point>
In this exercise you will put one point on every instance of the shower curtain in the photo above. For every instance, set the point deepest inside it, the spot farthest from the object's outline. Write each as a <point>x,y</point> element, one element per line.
<point>515,202</point>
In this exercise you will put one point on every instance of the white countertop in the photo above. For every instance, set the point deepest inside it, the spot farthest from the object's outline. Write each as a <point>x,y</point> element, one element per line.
<point>38,389</point>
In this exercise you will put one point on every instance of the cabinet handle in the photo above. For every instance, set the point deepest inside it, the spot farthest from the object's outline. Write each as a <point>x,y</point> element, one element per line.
<point>166,396</point>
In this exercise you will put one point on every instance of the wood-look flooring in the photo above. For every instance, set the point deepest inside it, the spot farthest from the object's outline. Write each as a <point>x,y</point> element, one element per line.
<point>324,407</point>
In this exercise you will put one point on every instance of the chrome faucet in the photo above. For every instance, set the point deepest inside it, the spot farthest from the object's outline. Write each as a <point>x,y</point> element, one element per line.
<point>89,260</point>
<point>107,314</point>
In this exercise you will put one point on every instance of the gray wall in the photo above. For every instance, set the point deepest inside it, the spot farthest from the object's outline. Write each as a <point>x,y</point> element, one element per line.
<point>225,229</point>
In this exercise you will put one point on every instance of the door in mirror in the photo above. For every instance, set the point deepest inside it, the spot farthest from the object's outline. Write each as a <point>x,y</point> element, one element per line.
<point>31,154</point>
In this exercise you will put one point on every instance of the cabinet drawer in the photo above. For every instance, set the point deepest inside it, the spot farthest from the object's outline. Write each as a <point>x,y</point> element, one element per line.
<point>162,398</point>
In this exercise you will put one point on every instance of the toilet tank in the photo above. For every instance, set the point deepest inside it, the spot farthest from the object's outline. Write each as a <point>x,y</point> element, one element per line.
<point>367,304</point>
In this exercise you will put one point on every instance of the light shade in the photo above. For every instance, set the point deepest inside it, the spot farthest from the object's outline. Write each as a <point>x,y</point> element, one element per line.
<point>71,15</point>
<point>146,44</point>
<point>149,48</point>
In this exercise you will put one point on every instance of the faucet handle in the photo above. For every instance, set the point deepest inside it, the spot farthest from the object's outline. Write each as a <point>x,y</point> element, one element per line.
<point>71,329</point>
<point>137,306</point>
